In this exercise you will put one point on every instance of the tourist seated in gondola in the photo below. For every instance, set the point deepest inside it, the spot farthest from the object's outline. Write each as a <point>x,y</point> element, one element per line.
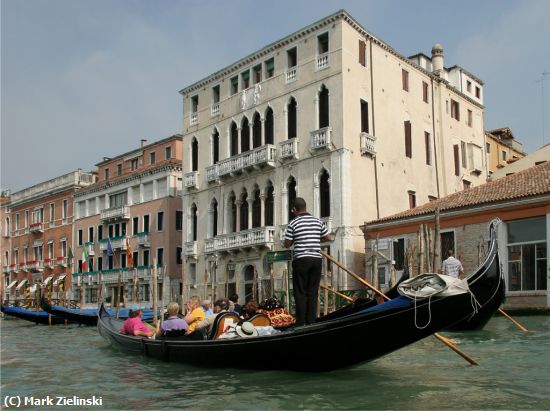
<point>250,310</point>
<point>195,313</point>
<point>133,325</point>
<point>174,326</point>
<point>220,306</point>
<point>234,304</point>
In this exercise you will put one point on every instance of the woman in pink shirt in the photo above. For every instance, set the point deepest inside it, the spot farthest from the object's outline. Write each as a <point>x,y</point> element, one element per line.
<point>134,326</point>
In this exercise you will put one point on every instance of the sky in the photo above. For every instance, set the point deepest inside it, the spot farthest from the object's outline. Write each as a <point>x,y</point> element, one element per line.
<point>84,79</point>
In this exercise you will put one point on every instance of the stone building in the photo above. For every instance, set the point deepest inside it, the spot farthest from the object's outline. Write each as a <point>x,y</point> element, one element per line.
<point>128,220</point>
<point>332,114</point>
<point>39,223</point>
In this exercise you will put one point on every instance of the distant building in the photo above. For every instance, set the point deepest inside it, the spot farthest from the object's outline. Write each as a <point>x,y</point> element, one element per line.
<point>133,212</point>
<point>520,200</point>
<point>329,113</point>
<point>5,243</point>
<point>39,223</point>
<point>536,157</point>
<point>502,149</point>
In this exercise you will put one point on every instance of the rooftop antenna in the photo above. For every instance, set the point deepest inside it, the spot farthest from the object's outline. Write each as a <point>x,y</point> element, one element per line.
<point>543,78</point>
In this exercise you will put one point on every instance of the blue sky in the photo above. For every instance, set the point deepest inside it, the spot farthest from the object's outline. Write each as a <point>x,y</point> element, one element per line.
<point>84,79</point>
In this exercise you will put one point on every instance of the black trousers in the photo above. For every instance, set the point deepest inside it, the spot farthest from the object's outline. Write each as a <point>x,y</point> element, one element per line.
<point>306,277</point>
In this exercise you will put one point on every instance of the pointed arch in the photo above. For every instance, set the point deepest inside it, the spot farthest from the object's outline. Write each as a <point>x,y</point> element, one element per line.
<point>256,207</point>
<point>243,209</point>
<point>245,135</point>
<point>194,154</point>
<point>324,120</point>
<point>194,221</point>
<point>215,146</point>
<point>292,126</point>
<point>269,126</point>
<point>256,130</point>
<point>213,218</point>
<point>269,210</point>
<point>324,193</point>
<point>291,189</point>
<point>233,139</point>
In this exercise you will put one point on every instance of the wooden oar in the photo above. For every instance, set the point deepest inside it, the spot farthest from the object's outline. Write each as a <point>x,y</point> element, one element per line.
<point>521,327</point>
<point>336,292</point>
<point>444,340</point>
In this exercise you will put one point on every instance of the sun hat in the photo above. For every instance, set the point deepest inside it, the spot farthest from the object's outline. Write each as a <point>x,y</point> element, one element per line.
<point>246,329</point>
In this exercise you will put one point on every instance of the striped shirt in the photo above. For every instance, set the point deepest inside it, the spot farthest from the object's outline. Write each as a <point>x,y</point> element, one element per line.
<point>451,266</point>
<point>306,232</point>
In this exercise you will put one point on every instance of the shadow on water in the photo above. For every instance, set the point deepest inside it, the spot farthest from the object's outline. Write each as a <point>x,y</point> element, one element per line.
<point>72,360</point>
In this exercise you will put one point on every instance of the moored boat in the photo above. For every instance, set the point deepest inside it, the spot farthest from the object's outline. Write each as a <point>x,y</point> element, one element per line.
<point>38,317</point>
<point>342,341</point>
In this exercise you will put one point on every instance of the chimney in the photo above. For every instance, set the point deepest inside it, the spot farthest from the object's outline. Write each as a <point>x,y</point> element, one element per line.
<point>437,59</point>
<point>143,141</point>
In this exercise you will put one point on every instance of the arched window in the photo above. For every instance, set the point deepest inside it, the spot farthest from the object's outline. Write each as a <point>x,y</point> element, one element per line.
<point>233,217</point>
<point>245,135</point>
<point>194,222</point>
<point>244,211</point>
<point>324,194</point>
<point>256,131</point>
<point>269,132</point>
<point>291,113</point>
<point>234,140</point>
<point>194,155</point>
<point>256,209</point>
<point>291,188</point>
<point>323,107</point>
<point>215,146</point>
<point>214,218</point>
<point>269,205</point>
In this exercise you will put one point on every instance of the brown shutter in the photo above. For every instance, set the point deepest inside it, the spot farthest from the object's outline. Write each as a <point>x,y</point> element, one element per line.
<point>457,160</point>
<point>362,49</point>
<point>408,142</point>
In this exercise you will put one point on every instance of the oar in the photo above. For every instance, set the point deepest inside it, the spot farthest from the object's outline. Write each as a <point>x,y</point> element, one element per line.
<point>336,292</point>
<point>521,327</point>
<point>444,340</point>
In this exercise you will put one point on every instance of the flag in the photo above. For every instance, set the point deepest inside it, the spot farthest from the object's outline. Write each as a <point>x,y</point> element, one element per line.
<point>109,247</point>
<point>70,257</point>
<point>129,258</point>
<point>84,258</point>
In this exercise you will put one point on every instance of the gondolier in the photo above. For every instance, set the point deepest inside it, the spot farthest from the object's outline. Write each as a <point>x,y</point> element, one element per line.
<point>305,232</point>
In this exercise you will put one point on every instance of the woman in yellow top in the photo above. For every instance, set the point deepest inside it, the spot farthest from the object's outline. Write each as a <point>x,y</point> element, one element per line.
<point>195,313</point>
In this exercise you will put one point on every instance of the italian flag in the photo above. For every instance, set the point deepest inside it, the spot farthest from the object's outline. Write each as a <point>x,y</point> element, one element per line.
<point>84,258</point>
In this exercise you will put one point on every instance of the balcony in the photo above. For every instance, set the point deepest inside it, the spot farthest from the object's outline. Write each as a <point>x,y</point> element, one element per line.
<point>193,118</point>
<point>291,75</point>
<point>49,263</point>
<point>191,180</point>
<point>253,159</point>
<point>215,109</point>
<point>322,61</point>
<point>117,243</point>
<point>90,247</point>
<point>6,269</point>
<point>14,268</point>
<point>190,249</point>
<point>61,261</point>
<point>321,138</point>
<point>253,238</point>
<point>35,266</point>
<point>212,174</point>
<point>115,213</point>
<point>368,144</point>
<point>23,267</point>
<point>288,149</point>
<point>36,228</point>
<point>143,239</point>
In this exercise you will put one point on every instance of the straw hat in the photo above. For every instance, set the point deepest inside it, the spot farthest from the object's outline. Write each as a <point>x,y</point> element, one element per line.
<point>246,329</point>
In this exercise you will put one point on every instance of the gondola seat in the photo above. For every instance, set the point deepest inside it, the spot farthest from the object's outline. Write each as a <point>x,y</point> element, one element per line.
<point>222,322</point>
<point>260,320</point>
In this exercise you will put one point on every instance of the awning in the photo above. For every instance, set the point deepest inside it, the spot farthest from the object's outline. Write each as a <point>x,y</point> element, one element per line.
<point>59,279</point>
<point>11,284</point>
<point>47,280</point>
<point>21,284</point>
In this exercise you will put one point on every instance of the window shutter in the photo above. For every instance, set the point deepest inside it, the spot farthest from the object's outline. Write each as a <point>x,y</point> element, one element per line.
<point>362,49</point>
<point>408,142</point>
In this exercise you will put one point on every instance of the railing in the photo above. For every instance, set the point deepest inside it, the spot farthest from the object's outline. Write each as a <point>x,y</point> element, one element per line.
<point>194,118</point>
<point>291,75</point>
<point>288,148</point>
<point>143,239</point>
<point>264,155</point>
<point>61,261</point>
<point>191,179</point>
<point>6,269</point>
<point>112,276</point>
<point>49,263</point>
<point>215,109</point>
<point>34,266</point>
<point>368,144</point>
<point>36,228</point>
<point>116,213</point>
<point>322,61</point>
<point>212,173</point>
<point>321,138</point>
<point>255,237</point>
<point>119,242</point>
<point>190,249</point>
<point>14,268</point>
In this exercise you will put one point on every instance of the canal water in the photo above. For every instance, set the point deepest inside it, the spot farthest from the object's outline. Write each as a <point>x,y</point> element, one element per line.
<point>514,373</point>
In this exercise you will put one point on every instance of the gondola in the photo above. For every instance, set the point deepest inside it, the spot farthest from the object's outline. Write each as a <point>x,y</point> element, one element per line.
<point>87,316</point>
<point>38,317</point>
<point>343,341</point>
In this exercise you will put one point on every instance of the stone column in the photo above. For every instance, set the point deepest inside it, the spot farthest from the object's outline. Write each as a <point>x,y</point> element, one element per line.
<point>238,216</point>
<point>262,209</point>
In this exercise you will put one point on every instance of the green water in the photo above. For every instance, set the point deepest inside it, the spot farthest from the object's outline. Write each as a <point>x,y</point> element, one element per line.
<point>514,373</point>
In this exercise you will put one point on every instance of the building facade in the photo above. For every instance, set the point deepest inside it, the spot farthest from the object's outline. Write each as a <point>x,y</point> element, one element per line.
<point>128,221</point>
<point>329,113</point>
<point>520,200</point>
<point>5,243</point>
<point>502,149</point>
<point>40,221</point>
